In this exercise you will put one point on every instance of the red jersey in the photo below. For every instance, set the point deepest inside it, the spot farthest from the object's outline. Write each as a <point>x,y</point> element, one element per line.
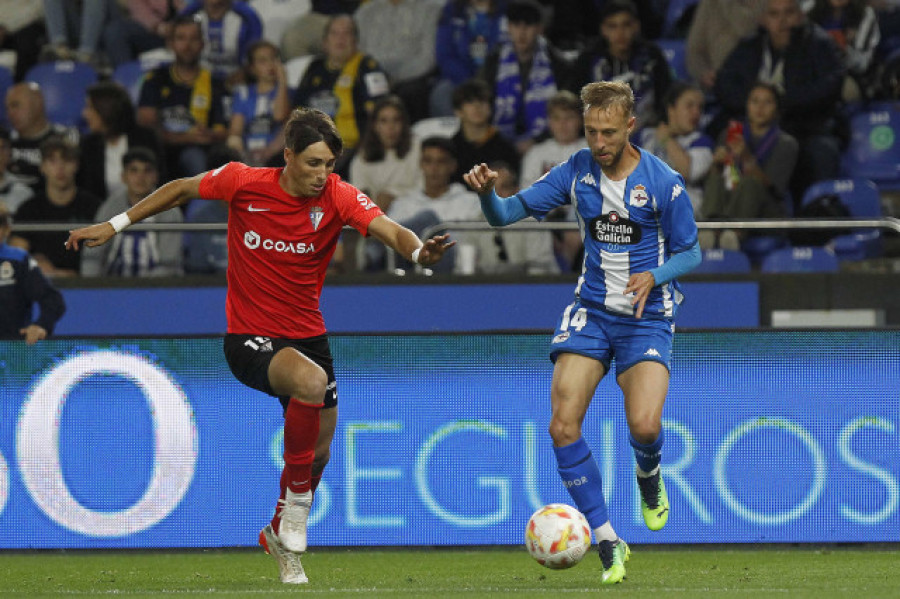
<point>279,247</point>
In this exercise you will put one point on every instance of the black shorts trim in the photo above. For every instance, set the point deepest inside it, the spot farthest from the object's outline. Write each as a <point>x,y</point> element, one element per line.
<point>248,357</point>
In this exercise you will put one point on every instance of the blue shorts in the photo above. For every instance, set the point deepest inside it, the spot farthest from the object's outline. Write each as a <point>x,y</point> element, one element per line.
<point>598,334</point>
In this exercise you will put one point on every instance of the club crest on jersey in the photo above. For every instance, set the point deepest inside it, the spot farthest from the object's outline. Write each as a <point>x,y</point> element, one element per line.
<point>315,216</point>
<point>638,196</point>
<point>615,229</point>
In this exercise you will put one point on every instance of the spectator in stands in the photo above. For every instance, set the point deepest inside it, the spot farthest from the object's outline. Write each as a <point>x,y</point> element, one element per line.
<point>343,83</point>
<point>853,26</point>
<point>183,103</point>
<point>59,201</point>
<point>477,139</point>
<point>304,35</point>
<point>752,166</point>
<point>509,251</point>
<point>523,72</point>
<point>135,253</point>
<point>229,27</point>
<point>439,199</point>
<point>386,166</point>
<point>22,284</point>
<point>22,31</point>
<point>621,54</point>
<point>13,193</point>
<point>74,29</point>
<point>400,35</point>
<point>141,26</point>
<point>30,128</point>
<point>260,107</point>
<point>207,252</point>
<point>565,122</point>
<point>802,60</point>
<point>467,31</point>
<point>677,139</point>
<point>109,114</point>
<point>888,13</point>
<point>717,27</point>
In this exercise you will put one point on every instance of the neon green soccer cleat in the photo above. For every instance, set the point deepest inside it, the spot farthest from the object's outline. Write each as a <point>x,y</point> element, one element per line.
<point>654,501</point>
<point>613,555</point>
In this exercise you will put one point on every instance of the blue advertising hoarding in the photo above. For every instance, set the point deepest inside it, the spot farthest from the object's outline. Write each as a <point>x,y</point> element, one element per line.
<point>771,436</point>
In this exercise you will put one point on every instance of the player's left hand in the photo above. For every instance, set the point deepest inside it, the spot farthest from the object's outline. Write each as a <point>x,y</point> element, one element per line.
<point>33,333</point>
<point>91,236</point>
<point>640,285</point>
<point>433,249</point>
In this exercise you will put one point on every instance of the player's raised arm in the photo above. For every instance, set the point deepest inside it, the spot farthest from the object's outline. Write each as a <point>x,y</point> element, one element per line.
<point>172,194</point>
<point>407,244</point>
<point>498,211</point>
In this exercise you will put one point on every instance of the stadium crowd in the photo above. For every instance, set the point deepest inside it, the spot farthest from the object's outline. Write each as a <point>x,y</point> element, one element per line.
<point>748,100</point>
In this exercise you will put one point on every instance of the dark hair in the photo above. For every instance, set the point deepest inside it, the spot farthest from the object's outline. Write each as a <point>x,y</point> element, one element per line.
<point>496,165</point>
<point>308,126</point>
<point>460,6</point>
<point>853,13</point>
<point>182,20</point>
<point>677,89</point>
<point>370,146</point>
<point>614,7</point>
<point>471,90</point>
<point>56,144</point>
<point>441,143</point>
<point>113,104</point>
<point>4,134</point>
<point>335,17</point>
<point>220,155</point>
<point>773,89</point>
<point>140,154</point>
<point>524,11</point>
<point>253,49</point>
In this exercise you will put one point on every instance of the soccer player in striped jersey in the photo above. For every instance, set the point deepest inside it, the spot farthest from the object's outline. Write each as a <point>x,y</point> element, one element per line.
<point>639,235</point>
<point>283,227</point>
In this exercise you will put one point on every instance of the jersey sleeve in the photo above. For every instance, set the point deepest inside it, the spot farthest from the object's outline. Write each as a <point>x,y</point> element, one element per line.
<point>677,215</point>
<point>355,207</point>
<point>223,182</point>
<point>550,191</point>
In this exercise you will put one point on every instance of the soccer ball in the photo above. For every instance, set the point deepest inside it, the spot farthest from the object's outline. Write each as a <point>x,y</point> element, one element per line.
<point>557,536</point>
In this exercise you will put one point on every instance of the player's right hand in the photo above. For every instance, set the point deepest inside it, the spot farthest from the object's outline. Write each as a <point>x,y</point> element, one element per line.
<point>481,178</point>
<point>91,236</point>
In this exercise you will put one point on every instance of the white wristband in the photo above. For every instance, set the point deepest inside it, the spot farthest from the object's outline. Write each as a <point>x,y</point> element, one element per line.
<point>414,258</point>
<point>120,222</point>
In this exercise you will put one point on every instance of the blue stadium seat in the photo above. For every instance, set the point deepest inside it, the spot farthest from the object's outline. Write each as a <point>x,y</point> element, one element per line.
<point>130,75</point>
<point>674,49</point>
<point>874,149</point>
<point>6,81</point>
<point>64,84</point>
<point>723,261</point>
<point>757,247</point>
<point>801,259</point>
<point>862,199</point>
<point>674,12</point>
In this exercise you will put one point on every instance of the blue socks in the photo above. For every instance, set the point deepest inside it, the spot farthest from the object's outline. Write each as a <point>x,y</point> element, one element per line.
<point>647,456</point>
<point>581,477</point>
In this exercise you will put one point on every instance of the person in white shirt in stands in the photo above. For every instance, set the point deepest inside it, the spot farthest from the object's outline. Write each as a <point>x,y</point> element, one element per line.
<point>677,139</point>
<point>438,200</point>
<point>564,121</point>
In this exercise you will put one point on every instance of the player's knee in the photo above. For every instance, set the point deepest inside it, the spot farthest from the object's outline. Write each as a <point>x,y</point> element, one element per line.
<point>309,387</point>
<point>564,432</point>
<point>645,430</point>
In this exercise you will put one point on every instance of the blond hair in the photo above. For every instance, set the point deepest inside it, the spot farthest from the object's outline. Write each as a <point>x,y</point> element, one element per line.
<point>608,94</point>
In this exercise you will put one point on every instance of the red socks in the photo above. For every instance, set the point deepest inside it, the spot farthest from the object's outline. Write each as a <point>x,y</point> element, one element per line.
<point>301,431</point>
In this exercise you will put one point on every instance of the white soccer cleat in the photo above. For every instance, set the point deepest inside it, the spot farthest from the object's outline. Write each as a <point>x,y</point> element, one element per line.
<point>294,514</point>
<point>289,565</point>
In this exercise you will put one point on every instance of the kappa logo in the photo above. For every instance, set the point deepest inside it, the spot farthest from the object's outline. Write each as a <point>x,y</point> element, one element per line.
<point>638,196</point>
<point>652,352</point>
<point>588,179</point>
<point>676,191</point>
<point>315,216</point>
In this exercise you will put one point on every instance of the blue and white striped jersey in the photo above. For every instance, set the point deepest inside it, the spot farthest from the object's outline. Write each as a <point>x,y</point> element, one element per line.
<point>628,226</point>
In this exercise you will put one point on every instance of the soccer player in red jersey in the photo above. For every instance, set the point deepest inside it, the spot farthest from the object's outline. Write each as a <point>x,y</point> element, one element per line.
<point>283,227</point>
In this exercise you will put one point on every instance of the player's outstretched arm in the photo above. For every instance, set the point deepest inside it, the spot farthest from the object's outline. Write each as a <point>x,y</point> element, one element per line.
<point>498,211</point>
<point>407,244</point>
<point>172,194</point>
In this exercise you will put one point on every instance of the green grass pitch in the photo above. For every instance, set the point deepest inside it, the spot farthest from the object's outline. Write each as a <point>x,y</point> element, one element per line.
<point>721,571</point>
